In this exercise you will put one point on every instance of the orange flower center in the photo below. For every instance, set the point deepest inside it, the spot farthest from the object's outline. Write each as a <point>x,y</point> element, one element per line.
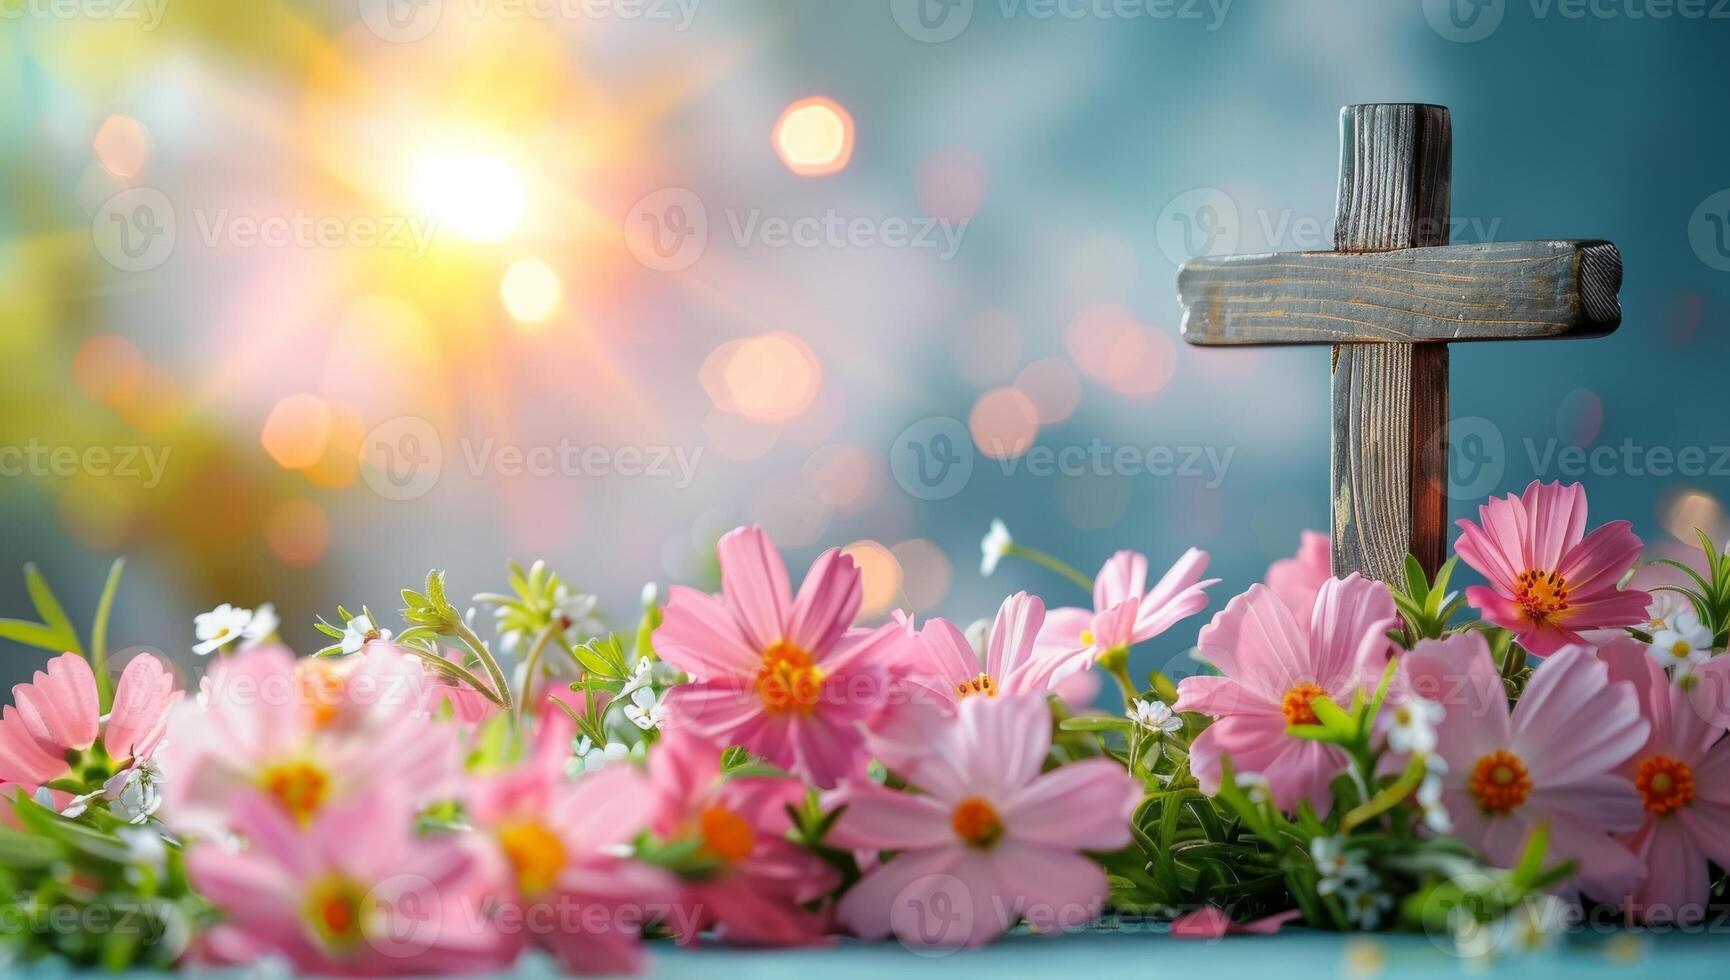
<point>1500,782</point>
<point>1665,783</point>
<point>975,821</point>
<point>301,788</point>
<point>319,682</point>
<point>535,852</point>
<point>788,681</point>
<point>1543,595</point>
<point>334,907</point>
<point>983,684</point>
<point>726,835</point>
<point>1298,705</point>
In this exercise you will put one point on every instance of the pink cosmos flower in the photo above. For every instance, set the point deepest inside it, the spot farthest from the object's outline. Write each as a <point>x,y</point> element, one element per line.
<point>1557,757</point>
<point>1274,667</point>
<point>355,892</point>
<point>760,879</point>
<point>1549,580</point>
<point>1297,579</point>
<point>305,734</point>
<point>1212,923</point>
<point>574,895</point>
<point>1682,775</point>
<point>1125,612</point>
<point>990,840</point>
<point>57,715</point>
<point>943,669</point>
<point>782,675</point>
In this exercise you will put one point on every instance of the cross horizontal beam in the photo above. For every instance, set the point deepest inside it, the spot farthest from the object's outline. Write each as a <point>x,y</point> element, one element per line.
<point>1492,291</point>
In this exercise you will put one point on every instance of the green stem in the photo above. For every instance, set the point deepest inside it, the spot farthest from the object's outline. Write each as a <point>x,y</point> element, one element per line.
<point>457,671</point>
<point>1053,563</point>
<point>500,685</point>
<point>532,662</point>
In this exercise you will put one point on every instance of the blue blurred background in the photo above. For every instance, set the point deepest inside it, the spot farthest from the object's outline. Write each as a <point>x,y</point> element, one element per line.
<point>328,262</point>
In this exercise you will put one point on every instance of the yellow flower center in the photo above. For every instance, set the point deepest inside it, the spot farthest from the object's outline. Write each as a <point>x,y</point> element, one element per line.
<point>1666,784</point>
<point>1087,638</point>
<point>976,822</point>
<point>1543,595</point>
<point>535,852</point>
<point>335,908</point>
<point>727,836</point>
<point>300,787</point>
<point>788,680</point>
<point>1298,705</point>
<point>1500,782</point>
<point>983,684</point>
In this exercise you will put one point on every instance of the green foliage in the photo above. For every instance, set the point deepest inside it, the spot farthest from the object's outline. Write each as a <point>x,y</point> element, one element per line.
<point>1710,593</point>
<point>54,632</point>
<point>1427,607</point>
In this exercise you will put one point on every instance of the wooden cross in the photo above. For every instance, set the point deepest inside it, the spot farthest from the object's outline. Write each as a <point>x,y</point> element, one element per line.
<point>1390,298</point>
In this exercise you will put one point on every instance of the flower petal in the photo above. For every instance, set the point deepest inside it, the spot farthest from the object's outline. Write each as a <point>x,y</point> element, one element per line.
<point>754,582</point>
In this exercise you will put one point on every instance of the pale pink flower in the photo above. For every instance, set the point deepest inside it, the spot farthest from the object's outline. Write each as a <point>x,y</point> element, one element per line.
<point>1556,758</point>
<point>1297,579</point>
<point>57,714</point>
<point>1549,579</point>
<point>1273,668</point>
<point>989,836</point>
<point>574,894</point>
<point>1210,922</point>
<point>1125,611</point>
<point>1682,775</point>
<point>943,667</point>
<point>782,675</point>
<point>305,734</point>
<point>354,892</point>
<point>760,880</point>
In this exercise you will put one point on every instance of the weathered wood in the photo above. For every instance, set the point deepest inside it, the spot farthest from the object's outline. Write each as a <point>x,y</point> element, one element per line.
<point>1389,402</point>
<point>1496,291</point>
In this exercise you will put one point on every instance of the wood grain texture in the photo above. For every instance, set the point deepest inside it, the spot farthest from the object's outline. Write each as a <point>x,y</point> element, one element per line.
<point>1495,291</point>
<point>1390,400</point>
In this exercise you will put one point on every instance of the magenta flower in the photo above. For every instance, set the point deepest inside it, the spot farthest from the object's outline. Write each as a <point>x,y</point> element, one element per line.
<point>575,895</point>
<point>306,734</point>
<point>1125,612</point>
<point>355,892</point>
<point>1274,668</point>
<point>991,839</point>
<point>57,715</point>
<point>782,675</point>
<point>1549,580</point>
<point>760,881</point>
<point>1297,579</point>
<point>943,669</point>
<point>1556,758</point>
<point>1682,775</point>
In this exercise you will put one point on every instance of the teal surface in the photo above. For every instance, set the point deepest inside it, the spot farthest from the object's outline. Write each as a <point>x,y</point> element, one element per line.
<point>1144,956</point>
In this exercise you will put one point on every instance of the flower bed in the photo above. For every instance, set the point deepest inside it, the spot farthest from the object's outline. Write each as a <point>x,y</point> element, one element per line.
<point>757,768</point>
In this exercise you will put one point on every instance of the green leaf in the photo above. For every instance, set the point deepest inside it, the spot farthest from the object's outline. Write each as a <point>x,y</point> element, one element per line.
<point>1334,717</point>
<point>1417,586</point>
<point>31,635</point>
<point>99,633</point>
<point>1096,723</point>
<point>49,608</point>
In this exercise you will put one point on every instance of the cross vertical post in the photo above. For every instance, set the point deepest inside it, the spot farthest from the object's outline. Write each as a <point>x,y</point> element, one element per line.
<point>1389,472</point>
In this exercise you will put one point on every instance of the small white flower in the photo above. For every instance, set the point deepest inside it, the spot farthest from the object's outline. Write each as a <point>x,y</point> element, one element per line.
<point>996,544</point>
<point>78,804</point>
<point>1663,609</point>
<point>144,847</point>
<point>1686,641</point>
<point>1255,786</point>
<point>358,632</point>
<point>1413,726</point>
<point>1429,796</point>
<point>219,627</point>
<point>642,675</point>
<point>1155,716</point>
<point>578,611</point>
<point>263,625</point>
<point>645,710</point>
<point>134,794</point>
<point>1365,902</point>
<point>1338,867</point>
<point>586,756</point>
<point>651,594</point>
